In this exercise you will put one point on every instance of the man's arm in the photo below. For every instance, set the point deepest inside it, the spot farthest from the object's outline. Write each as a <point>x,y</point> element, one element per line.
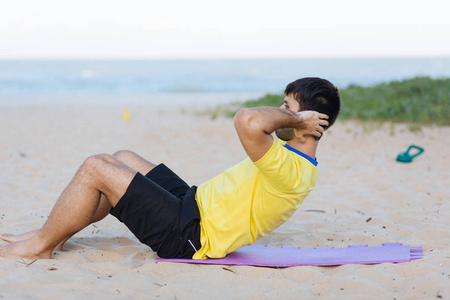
<point>256,125</point>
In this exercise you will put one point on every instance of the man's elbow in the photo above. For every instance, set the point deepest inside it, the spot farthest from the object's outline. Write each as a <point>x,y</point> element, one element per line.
<point>247,122</point>
<point>244,119</point>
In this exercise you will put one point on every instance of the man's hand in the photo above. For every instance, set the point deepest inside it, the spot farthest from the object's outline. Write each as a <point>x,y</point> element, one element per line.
<point>312,123</point>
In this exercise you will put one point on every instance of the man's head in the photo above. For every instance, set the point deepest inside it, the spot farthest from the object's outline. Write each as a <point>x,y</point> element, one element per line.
<point>311,93</point>
<point>316,94</point>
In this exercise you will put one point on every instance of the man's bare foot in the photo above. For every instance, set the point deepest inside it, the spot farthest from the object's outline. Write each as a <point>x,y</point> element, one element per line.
<point>11,238</point>
<point>23,249</point>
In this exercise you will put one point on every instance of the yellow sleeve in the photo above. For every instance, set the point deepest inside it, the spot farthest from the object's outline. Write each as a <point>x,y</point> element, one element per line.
<point>280,167</point>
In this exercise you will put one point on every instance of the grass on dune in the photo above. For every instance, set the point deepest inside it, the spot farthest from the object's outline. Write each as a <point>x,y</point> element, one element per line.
<point>419,100</point>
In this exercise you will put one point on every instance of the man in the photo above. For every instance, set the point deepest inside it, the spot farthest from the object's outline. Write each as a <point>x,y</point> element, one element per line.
<point>233,209</point>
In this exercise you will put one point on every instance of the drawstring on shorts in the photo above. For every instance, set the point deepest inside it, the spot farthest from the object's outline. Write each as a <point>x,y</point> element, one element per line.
<point>192,245</point>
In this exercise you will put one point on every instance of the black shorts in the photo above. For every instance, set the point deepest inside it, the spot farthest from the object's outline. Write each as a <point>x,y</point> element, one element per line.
<point>160,210</point>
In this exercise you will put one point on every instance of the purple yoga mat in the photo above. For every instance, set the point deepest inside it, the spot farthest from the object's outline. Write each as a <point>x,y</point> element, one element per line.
<point>260,255</point>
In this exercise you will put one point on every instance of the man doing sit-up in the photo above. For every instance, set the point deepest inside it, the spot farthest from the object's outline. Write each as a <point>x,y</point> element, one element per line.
<point>176,220</point>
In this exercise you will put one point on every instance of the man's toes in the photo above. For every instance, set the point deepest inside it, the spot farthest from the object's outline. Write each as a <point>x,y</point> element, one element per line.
<point>6,236</point>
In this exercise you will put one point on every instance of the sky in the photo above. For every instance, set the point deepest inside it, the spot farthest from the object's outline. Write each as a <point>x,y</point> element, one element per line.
<point>148,29</point>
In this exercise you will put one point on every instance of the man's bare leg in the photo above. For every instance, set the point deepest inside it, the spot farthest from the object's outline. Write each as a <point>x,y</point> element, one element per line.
<point>130,159</point>
<point>133,161</point>
<point>102,211</point>
<point>77,206</point>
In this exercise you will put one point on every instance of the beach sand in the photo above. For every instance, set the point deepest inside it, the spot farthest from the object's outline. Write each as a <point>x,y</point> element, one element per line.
<point>363,196</point>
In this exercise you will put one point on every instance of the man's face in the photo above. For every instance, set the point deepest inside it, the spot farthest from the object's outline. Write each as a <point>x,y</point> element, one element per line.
<point>287,134</point>
<point>290,103</point>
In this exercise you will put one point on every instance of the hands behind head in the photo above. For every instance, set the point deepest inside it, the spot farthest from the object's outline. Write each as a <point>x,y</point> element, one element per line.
<point>311,123</point>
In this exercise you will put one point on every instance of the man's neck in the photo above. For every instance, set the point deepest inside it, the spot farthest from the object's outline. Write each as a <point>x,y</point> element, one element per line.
<point>308,147</point>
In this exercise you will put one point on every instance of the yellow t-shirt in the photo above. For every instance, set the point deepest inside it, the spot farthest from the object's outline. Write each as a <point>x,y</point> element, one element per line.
<point>251,199</point>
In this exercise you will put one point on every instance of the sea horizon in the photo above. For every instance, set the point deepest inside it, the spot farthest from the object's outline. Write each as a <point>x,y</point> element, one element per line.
<point>217,79</point>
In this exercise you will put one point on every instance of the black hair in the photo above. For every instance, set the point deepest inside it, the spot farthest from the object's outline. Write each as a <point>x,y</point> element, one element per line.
<point>316,94</point>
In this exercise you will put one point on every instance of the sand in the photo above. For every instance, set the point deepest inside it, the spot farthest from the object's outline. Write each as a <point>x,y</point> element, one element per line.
<point>363,196</point>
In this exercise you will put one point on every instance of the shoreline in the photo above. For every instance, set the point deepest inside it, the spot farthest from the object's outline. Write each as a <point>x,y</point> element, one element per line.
<point>182,99</point>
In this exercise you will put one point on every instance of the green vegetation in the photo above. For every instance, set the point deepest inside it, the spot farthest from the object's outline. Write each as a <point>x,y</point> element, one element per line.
<point>420,100</point>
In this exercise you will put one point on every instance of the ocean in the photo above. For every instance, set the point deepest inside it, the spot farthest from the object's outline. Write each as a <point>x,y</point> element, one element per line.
<point>193,81</point>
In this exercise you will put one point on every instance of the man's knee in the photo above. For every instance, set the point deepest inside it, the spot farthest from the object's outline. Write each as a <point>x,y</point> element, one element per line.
<point>126,156</point>
<point>96,163</point>
<point>134,161</point>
